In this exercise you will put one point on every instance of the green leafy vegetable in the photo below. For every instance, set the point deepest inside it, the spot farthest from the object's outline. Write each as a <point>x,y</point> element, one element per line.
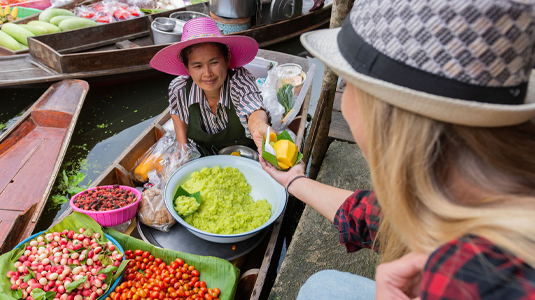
<point>121,268</point>
<point>26,277</point>
<point>38,294</point>
<point>73,285</point>
<point>31,273</point>
<point>105,260</point>
<point>108,270</point>
<point>285,96</point>
<point>17,294</point>
<point>17,253</point>
<point>50,295</point>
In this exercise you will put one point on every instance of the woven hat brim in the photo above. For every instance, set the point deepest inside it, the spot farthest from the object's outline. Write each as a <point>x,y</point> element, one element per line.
<point>323,45</point>
<point>243,50</point>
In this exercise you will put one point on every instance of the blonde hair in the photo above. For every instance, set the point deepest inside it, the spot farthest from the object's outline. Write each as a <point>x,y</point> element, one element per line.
<point>412,158</point>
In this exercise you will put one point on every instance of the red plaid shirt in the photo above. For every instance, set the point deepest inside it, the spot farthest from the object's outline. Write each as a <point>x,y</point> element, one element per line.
<point>469,267</point>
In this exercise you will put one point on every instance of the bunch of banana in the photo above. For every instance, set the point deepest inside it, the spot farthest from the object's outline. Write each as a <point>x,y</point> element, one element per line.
<point>8,14</point>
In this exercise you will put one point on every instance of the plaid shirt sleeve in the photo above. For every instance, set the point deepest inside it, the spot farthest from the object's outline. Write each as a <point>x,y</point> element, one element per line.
<point>358,220</point>
<point>246,97</point>
<point>178,104</point>
<point>472,267</point>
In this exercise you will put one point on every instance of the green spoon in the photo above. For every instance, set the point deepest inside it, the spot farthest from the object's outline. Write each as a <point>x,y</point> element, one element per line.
<point>182,192</point>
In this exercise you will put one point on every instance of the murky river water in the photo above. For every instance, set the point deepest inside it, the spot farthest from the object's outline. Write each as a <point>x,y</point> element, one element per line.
<point>111,118</point>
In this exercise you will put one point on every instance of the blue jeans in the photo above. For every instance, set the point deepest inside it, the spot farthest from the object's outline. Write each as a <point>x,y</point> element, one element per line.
<point>332,284</point>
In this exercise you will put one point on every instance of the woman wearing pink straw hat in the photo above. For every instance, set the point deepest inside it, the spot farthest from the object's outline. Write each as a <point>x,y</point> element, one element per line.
<point>440,98</point>
<point>215,101</point>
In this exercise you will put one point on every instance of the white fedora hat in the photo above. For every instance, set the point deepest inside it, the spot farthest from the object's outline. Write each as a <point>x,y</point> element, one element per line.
<point>465,62</point>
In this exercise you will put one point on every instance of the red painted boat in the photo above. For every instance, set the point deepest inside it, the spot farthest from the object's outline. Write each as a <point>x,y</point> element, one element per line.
<point>31,153</point>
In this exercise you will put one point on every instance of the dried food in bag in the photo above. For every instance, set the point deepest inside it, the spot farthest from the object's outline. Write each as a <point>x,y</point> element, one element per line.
<point>152,211</point>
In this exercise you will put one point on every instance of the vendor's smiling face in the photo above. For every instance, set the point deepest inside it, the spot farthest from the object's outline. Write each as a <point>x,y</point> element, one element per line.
<point>207,67</point>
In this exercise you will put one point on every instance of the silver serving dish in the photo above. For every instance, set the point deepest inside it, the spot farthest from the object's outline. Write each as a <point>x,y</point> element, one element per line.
<point>244,151</point>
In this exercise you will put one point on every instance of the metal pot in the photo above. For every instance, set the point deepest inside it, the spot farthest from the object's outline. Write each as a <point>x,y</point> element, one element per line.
<point>233,9</point>
<point>166,37</point>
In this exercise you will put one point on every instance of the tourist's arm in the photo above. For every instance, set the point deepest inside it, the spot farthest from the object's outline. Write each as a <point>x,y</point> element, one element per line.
<point>323,198</point>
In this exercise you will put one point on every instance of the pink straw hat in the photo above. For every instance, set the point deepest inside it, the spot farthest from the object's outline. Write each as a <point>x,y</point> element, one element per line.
<point>243,49</point>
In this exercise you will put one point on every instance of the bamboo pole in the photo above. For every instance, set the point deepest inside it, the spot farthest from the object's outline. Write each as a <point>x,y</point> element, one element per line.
<point>340,10</point>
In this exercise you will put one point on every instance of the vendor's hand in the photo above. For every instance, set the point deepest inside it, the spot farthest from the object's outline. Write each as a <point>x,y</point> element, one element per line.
<point>400,279</point>
<point>282,177</point>
<point>258,136</point>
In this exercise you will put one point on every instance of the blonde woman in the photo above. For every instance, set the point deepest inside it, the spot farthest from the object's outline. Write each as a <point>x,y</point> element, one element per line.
<point>440,102</point>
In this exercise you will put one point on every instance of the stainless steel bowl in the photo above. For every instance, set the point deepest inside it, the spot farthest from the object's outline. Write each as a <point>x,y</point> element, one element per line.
<point>244,151</point>
<point>165,24</point>
<point>187,15</point>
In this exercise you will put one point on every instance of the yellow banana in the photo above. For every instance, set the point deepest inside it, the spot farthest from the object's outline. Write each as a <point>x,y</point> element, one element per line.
<point>15,12</point>
<point>1,12</point>
<point>7,10</point>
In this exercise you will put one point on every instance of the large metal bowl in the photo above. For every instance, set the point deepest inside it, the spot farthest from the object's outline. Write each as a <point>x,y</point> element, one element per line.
<point>187,15</point>
<point>244,151</point>
<point>262,187</point>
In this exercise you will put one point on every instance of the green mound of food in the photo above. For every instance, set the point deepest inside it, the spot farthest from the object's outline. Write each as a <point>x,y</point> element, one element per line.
<point>226,206</point>
<point>185,205</point>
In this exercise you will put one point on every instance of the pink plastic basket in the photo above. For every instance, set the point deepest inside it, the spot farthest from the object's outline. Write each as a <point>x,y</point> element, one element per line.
<point>111,217</point>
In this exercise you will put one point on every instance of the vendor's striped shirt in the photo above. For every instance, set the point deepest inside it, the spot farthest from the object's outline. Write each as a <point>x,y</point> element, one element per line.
<point>241,88</point>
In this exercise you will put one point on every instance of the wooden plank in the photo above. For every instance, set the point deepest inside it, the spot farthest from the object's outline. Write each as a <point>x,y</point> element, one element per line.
<point>12,225</point>
<point>12,161</point>
<point>18,132</point>
<point>47,133</point>
<point>126,45</point>
<point>54,99</point>
<point>21,73</point>
<point>339,128</point>
<point>27,187</point>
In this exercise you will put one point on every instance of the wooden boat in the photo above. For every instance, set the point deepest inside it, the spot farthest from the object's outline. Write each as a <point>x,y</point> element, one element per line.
<point>261,263</point>
<point>120,49</point>
<point>31,153</point>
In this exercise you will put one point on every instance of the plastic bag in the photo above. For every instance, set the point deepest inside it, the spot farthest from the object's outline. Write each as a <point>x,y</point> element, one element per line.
<point>284,91</point>
<point>158,164</point>
<point>307,5</point>
<point>108,11</point>
<point>145,4</point>
<point>59,3</point>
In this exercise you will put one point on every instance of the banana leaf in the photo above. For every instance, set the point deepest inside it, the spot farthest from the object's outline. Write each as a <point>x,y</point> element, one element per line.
<point>74,221</point>
<point>216,272</point>
<point>272,159</point>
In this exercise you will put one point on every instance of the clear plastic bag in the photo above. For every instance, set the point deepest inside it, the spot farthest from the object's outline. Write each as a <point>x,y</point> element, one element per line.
<point>284,91</point>
<point>145,4</point>
<point>59,3</point>
<point>159,163</point>
<point>108,11</point>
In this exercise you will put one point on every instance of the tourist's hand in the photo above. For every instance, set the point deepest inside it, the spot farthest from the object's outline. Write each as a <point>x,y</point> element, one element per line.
<point>283,177</point>
<point>400,279</point>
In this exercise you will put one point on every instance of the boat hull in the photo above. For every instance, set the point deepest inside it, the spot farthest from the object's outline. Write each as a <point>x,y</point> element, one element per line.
<point>31,153</point>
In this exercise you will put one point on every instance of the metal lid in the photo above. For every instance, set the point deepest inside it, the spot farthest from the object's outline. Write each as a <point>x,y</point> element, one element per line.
<point>179,238</point>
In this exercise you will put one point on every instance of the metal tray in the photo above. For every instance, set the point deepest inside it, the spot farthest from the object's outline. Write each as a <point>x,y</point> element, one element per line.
<point>180,239</point>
